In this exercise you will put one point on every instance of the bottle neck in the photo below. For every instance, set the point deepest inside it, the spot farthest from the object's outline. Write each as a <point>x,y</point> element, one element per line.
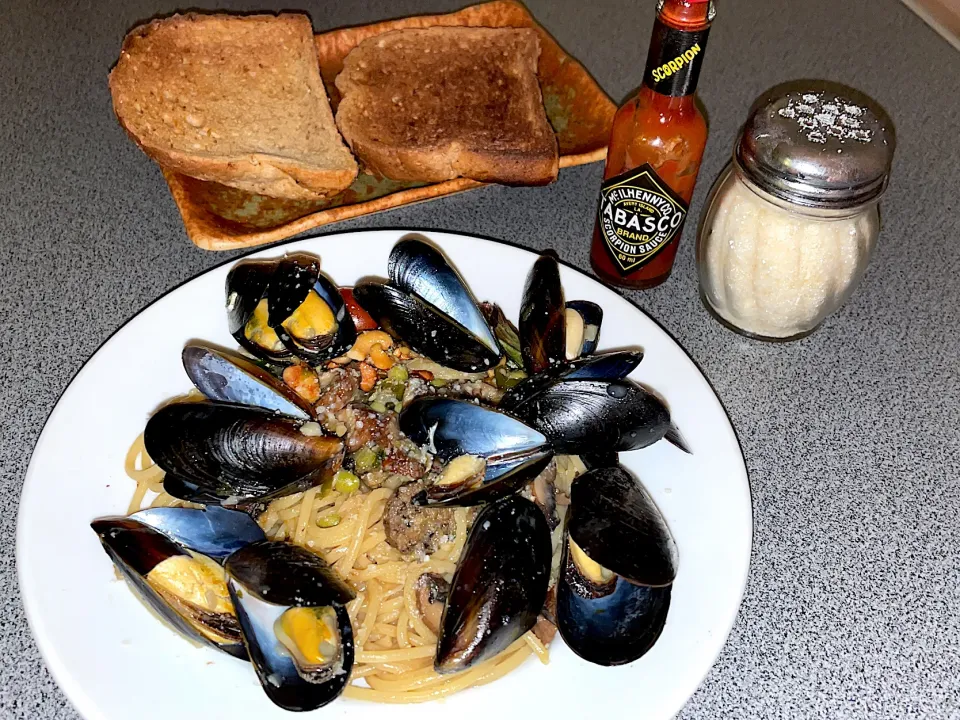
<point>677,47</point>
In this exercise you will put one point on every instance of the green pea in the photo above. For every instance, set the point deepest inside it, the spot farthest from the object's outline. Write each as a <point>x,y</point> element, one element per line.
<point>398,374</point>
<point>438,383</point>
<point>366,459</point>
<point>329,520</point>
<point>345,482</point>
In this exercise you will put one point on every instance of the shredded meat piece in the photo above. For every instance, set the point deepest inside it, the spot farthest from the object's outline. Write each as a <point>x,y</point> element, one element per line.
<point>399,463</point>
<point>366,426</point>
<point>338,388</point>
<point>410,528</point>
<point>546,628</point>
<point>544,493</point>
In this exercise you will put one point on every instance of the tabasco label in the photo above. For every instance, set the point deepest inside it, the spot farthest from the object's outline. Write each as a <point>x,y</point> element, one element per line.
<point>638,215</point>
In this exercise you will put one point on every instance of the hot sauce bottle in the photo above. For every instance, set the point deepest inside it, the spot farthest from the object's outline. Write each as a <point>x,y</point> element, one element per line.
<point>654,154</point>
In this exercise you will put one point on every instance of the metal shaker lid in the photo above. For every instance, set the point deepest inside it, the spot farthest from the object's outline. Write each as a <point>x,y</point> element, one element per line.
<point>817,144</point>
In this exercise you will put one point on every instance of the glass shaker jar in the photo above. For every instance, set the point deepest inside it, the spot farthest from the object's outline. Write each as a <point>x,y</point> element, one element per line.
<point>790,224</point>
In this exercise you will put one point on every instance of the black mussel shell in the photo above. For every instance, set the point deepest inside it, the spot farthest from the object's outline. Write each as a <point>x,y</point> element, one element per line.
<point>212,531</point>
<point>425,329</point>
<point>295,277</point>
<point>499,586</point>
<point>617,524</point>
<point>612,624</point>
<point>135,549</point>
<point>592,316</point>
<point>234,452</point>
<point>265,580</point>
<point>501,480</point>
<point>542,320</point>
<point>584,415</point>
<point>450,428</point>
<point>285,574</point>
<point>418,268</point>
<point>247,284</point>
<point>227,376</point>
<point>607,366</point>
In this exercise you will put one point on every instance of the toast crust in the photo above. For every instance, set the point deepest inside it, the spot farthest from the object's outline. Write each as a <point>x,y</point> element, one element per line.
<point>233,99</point>
<point>440,103</point>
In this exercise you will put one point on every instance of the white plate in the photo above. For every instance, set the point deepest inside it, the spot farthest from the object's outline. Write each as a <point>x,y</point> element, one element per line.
<point>114,660</point>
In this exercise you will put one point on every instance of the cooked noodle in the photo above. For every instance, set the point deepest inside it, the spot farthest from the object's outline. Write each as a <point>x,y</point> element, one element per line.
<point>394,647</point>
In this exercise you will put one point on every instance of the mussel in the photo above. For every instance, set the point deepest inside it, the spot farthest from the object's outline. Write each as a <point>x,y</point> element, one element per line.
<point>287,306</point>
<point>619,562</point>
<point>418,268</point>
<point>427,306</point>
<point>234,453</point>
<point>499,586</point>
<point>213,531</point>
<point>292,610</point>
<point>188,590</point>
<point>230,377</point>
<point>542,318</point>
<point>484,482</point>
<point>512,454</point>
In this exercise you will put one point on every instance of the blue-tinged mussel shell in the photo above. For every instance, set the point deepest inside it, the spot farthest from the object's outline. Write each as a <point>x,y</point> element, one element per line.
<point>227,376</point>
<point>420,269</point>
<point>269,583</point>
<point>213,531</point>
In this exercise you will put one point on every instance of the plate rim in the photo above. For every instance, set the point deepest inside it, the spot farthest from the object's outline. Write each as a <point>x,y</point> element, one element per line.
<point>62,675</point>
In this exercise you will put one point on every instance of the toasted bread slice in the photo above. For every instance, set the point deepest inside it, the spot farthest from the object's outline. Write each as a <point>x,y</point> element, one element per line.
<point>440,103</point>
<point>233,99</point>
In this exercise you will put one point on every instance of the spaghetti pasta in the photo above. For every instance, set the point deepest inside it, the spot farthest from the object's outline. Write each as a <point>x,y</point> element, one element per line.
<point>394,647</point>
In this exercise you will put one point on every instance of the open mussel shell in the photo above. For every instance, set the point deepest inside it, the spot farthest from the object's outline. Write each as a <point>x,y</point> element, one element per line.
<point>213,531</point>
<point>268,580</point>
<point>500,480</point>
<point>616,523</point>
<point>424,328</point>
<point>499,586</point>
<point>542,318</point>
<point>581,415</point>
<point>450,428</point>
<point>307,311</point>
<point>611,623</point>
<point>418,268</point>
<point>246,288</point>
<point>607,366</point>
<point>582,328</point>
<point>137,550</point>
<point>226,376</point>
<point>236,453</point>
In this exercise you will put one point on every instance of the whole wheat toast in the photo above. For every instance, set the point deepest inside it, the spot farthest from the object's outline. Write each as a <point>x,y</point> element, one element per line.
<point>233,99</point>
<point>439,103</point>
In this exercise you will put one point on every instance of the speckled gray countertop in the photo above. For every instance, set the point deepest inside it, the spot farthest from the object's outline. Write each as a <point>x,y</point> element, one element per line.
<point>851,436</point>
